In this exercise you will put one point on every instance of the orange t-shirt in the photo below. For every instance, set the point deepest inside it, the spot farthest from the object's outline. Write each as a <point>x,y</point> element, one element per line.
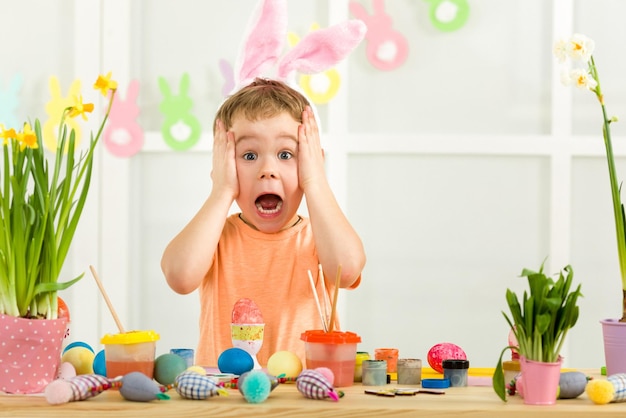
<point>270,269</point>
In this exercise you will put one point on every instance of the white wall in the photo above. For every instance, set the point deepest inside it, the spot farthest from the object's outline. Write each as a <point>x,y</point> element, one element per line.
<point>458,169</point>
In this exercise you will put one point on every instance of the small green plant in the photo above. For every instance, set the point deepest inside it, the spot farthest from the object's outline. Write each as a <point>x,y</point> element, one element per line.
<point>541,322</point>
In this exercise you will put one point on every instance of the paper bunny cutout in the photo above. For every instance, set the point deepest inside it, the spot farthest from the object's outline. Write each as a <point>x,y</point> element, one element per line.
<point>448,15</point>
<point>227,72</point>
<point>55,108</point>
<point>9,101</point>
<point>180,129</point>
<point>387,48</point>
<point>123,136</point>
<point>316,52</point>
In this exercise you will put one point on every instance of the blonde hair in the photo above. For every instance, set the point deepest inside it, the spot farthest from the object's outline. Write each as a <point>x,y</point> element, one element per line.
<point>262,99</point>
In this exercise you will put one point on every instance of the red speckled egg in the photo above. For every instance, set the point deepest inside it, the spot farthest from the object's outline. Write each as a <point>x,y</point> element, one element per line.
<point>444,351</point>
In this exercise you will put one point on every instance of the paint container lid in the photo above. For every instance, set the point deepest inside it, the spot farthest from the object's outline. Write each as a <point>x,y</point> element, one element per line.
<point>435,383</point>
<point>511,365</point>
<point>130,337</point>
<point>335,337</point>
<point>455,364</point>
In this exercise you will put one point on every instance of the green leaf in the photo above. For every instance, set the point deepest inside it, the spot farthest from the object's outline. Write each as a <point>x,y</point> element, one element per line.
<point>497,379</point>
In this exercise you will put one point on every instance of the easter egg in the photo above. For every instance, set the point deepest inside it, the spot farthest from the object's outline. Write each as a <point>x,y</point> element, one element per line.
<point>78,344</point>
<point>66,371</point>
<point>235,360</point>
<point>99,364</point>
<point>284,363</point>
<point>81,358</point>
<point>327,373</point>
<point>62,310</point>
<point>246,311</point>
<point>444,351</point>
<point>167,367</point>
<point>197,369</point>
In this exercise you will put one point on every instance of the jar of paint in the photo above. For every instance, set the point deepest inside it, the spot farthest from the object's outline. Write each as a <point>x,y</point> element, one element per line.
<point>409,371</point>
<point>455,370</point>
<point>390,355</point>
<point>335,350</point>
<point>374,372</point>
<point>358,365</point>
<point>511,369</point>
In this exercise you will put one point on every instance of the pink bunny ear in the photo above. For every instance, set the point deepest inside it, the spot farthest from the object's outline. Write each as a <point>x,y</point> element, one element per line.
<point>322,49</point>
<point>264,41</point>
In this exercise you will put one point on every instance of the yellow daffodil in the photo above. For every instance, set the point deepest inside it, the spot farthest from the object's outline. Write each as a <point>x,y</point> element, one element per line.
<point>27,138</point>
<point>104,84</point>
<point>7,134</point>
<point>80,108</point>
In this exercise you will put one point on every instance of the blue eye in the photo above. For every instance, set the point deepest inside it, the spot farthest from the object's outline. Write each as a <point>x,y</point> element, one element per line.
<point>284,155</point>
<point>249,156</point>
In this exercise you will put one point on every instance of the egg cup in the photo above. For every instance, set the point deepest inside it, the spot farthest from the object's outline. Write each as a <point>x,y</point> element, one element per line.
<point>248,337</point>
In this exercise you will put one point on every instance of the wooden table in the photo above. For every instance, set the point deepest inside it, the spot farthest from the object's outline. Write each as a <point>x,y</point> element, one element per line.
<point>286,401</point>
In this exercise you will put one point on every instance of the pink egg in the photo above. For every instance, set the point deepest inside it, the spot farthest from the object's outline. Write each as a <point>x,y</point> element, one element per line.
<point>327,373</point>
<point>513,342</point>
<point>444,351</point>
<point>246,311</point>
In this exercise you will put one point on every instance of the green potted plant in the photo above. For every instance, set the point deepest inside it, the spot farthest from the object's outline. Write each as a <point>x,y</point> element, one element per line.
<point>579,49</point>
<point>548,310</point>
<point>41,203</point>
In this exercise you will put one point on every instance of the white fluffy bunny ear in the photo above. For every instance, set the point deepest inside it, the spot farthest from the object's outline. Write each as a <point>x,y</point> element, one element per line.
<point>264,41</point>
<point>323,48</point>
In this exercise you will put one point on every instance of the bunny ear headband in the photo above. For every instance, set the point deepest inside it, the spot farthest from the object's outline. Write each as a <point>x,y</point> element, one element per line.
<point>316,52</point>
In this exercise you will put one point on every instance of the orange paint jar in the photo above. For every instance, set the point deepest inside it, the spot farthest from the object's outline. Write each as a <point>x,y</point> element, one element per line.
<point>390,355</point>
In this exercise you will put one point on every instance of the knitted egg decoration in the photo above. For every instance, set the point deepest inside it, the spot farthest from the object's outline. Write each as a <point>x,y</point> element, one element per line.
<point>314,385</point>
<point>192,385</point>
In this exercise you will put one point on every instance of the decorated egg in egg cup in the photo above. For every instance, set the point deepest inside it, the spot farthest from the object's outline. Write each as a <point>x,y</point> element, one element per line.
<point>248,337</point>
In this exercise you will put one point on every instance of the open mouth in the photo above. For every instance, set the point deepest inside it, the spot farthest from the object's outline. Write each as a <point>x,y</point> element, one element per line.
<point>268,204</point>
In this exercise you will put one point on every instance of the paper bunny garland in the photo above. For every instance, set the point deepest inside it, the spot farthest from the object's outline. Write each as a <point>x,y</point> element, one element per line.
<point>266,38</point>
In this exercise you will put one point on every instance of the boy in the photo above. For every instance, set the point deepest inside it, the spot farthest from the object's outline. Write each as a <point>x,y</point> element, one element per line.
<point>266,157</point>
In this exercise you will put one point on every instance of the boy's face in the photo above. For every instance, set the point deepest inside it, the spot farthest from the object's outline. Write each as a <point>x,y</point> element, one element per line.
<point>266,155</point>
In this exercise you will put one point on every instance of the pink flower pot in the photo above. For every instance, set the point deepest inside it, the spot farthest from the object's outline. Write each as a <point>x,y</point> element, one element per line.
<point>30,353</point>
<point>614,335</point>
<point>540,381</point>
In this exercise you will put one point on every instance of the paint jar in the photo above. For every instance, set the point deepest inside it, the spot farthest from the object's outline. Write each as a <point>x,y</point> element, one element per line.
<point>390,355</point>
<point>409,371</point>
<point>335,350</point>
<point>511,369</point>
<point>374,372</point>
<point>358,369</point>
<point>455,370</point>
<point>186,353</point>
<point>131,351</point>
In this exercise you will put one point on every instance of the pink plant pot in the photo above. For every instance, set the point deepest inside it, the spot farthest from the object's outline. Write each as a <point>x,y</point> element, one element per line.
<point>614,336</point>
<point>540,381</point>
<point>30,353</point>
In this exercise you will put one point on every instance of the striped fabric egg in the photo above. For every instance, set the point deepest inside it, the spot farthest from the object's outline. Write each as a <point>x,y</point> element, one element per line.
<point>192,385</point>
<point>314,385</point>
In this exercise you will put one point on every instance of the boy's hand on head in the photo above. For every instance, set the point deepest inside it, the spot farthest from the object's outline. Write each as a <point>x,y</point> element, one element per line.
<point>310,152</point>
<point>224,172</point>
